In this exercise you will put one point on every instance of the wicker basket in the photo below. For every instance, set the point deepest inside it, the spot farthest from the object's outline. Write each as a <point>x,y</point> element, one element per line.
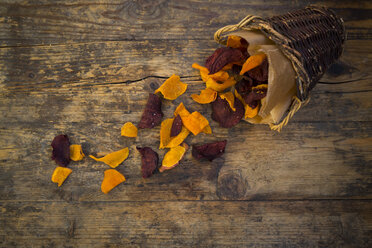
<point>311,38</point>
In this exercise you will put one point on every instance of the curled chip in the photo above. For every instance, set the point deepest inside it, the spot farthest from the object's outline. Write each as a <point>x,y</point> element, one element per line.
<point>212,84</point>
<point>181,110</point>
<point>172,88</point>
<point>249,111</point>
<point>206,96</point>
<point>236,42</point>
<point>60,174</point>
<point>76,153</point>
<point>218,76</point>
<point>111,179</point>
<point>255,95</point>
<point>173,157</point>
<point>252,62</point>
<point>260,73</point>
<point>223,56</point>
<point>61,150</point>
<point>224,115</point>
<point>207,129</point>
<point>166,141</point>
<point>129,130</point>
<point>149,160</point>
<point>115,158</point>
<point>176,126</point>
<point>152,114</point>
<point>209,151</point>
<point>195,122</point>
<point>229,97</point>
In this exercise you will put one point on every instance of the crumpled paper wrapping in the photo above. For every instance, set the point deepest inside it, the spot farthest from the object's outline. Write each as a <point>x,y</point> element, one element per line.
<point>281,81</point>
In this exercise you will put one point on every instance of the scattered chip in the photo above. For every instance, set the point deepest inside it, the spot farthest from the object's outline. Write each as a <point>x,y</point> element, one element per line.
<point>113,159</point>
<point>206,96</point>
<point>218,76</point>
<point>207,129</point>
<point>195,122</point>
<point>111,179</point>
<point>224,115</point>
<point>76,153</point>
<point>152,114</point>
<point>129,130</point>
<point>176,126</point>
<point>61,150</point>
<point>229,97</point>
<point>173,157</point>
<point>209,151</point>
<point>252,62</point>
<point>172,88</point>
<point>60,174</point>
<point>149,160</point>
<point>166,141</point>
<point>181,111</point>
<point>214,85</point>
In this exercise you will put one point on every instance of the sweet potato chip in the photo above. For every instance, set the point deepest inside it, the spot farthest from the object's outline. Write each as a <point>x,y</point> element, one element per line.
<point>115,158</point>
<point>152,114</point>
<point>229,97</point>
<point>252,62</point>
<point>61,150</point>
<point>149,160</point>
<point>227,67</point>
<point>173,157</point>
<point>224,115</point>
<point>181,111</point>
<point>218,76</point>
<point>223,56</point>
<point>176,126</point>
<point>207,130</point>
<point>249,111</point>
<point>76,153</point>
<point>195,122</point>
<point>129,130</point>
<point>60,174</point>
<point>209,151</point>
<point>172,88</point>
<point>206,96</point>
<point>166,141</point>
<point>236,42</point>
<point>111,179</point>
<point>212,84</point>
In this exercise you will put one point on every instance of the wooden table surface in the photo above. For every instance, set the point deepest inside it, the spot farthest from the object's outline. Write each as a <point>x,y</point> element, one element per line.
<point>84,68</point>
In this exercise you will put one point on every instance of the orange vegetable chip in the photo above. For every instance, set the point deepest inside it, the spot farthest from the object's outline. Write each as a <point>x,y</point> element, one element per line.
<point>113,159</point>
<point>229,97</point>
<point>111,179</point>
<point>249,112</point>
<point>204,73</point>
<point>172,88</point>
<point>60,174</point>
<point>181,110</point>
<point>212,84</point>
<point>206,96</point>
<point>252,62</point>
<point>76,153</point>
<point>166,141</point>
<point>129,130</point>
<point>173,157</point>
<point>207,130</point>
<point>195,122</point>
<point>236,42</point>
<point>227,67</point>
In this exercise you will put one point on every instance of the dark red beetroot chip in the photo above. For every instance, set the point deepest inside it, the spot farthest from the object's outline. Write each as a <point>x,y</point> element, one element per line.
<point>244,86</point>
<point>61,150</point>
<point>149,161</point>
<point>176,126</point>
<point>260,73</point>
<point>254,96</point>
<point>152,114</point>
<point>209,151</point>
<point>224,115</point>
<point>223,56</point>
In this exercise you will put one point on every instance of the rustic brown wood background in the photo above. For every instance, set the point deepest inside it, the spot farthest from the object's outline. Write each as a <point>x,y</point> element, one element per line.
<point>84,68</point>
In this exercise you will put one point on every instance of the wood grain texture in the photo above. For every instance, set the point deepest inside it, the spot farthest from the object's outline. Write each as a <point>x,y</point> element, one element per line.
<point>46,22</point>
<point>180,224</point>
<point>84,68</point>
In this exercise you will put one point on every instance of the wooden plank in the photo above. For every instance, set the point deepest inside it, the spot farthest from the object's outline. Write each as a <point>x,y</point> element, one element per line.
<point>180,224</point>
<point>47,22</point>
<point>305,161</point>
